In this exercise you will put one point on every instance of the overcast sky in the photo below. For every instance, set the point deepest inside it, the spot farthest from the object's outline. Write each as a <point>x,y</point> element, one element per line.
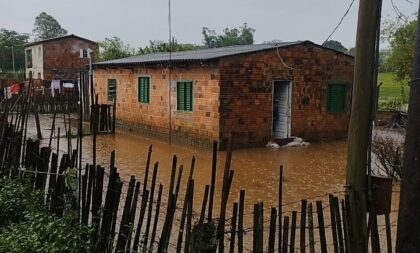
<point>138,21</point>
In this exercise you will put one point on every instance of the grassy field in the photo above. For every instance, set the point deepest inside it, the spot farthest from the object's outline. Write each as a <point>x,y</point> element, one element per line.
<point>392,96</point>
<point>390,88</point>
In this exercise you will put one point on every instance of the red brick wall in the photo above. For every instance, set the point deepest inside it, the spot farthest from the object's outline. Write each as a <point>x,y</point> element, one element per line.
<point>201,124</point>
<point>246,93</point>
<point>64,55</point>
<point>238,90</point>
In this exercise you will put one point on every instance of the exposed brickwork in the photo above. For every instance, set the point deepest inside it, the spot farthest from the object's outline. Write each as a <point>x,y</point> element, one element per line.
<point>64,55</point>
<point>235,94</point>
<point>246,93</point>
<point>201,124</point>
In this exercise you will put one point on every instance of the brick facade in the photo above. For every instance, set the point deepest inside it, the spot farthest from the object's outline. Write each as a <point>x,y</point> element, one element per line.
<point>235,94</point>
<point>246,93</point>
<point>199,127</point>
<point>64,56</point>
<point>61,55</point>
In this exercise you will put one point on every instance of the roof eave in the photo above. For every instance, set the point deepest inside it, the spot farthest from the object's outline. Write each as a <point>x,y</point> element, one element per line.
<point>116,64</point>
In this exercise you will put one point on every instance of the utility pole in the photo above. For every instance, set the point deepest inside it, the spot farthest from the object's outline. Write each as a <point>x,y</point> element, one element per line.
<point>408,232</point>
<point>360,122</point>
<point>170,73</point>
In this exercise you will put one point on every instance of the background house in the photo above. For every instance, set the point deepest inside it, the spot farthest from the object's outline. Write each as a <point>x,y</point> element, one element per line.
<point>262,92</point>
<point>64,56</point>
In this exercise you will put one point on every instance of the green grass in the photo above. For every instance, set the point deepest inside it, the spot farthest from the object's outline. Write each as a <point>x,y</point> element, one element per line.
<point>391,89</point>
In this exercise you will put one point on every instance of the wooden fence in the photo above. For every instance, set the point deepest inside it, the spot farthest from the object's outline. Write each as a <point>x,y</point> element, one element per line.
<point>102,118</point>
<point>136,215</point>
<point>44,104</point>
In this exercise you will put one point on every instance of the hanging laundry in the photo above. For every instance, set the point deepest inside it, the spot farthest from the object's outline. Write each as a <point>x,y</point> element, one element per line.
<point>8,92</point>
<point>68,88</point>
<point>15,88</point>
<point>55,87</point>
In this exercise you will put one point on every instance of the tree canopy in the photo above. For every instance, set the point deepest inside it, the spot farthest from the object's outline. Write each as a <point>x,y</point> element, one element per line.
<point>46,26</point>
<point>352,51</point>
<point>114,48</point>
<point>401,37</point>
<point>156,46</point>
<point>243,35</point>
<point>336,45</point>
<point>11,39</point>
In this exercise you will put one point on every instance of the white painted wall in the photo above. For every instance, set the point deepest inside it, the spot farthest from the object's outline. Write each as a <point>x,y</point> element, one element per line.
<point>37,61</point>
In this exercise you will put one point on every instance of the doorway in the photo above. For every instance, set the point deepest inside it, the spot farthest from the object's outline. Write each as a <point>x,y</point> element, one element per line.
<point>281,109</point>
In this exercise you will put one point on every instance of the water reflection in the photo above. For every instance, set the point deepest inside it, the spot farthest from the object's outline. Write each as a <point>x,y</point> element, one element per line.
<point>308,171</point>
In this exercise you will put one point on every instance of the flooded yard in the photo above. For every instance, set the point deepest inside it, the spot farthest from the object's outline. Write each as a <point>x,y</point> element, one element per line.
<point>308,171</point>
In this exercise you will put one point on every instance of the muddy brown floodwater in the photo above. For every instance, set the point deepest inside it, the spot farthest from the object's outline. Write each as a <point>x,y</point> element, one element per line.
<point>308,171</point>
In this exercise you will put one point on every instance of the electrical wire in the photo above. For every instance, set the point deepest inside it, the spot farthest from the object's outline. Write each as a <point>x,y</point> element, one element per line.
<point>340,22</point>
<point>397,11</point>
<point>315,52</point>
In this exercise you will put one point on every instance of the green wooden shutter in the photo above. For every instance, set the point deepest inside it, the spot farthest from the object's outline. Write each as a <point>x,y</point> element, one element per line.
<point>180,96</point>
<point>330,98</point>
<point>336,98</point>
<point>139,90</point>
<point>188,96</point>
<point>144,89</point>
<point>144,84</point>
<point>341,98</point>
<point>147,80</point>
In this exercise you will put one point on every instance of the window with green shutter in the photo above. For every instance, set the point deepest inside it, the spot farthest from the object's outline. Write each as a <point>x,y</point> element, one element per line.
<point>112,89</point>
<point>336,98</point>
<point>143,89</point>
<point>184,96</point>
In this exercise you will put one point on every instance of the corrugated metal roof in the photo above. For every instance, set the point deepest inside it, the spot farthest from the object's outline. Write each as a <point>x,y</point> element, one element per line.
<point>58,38</point>
<point>197,55</point>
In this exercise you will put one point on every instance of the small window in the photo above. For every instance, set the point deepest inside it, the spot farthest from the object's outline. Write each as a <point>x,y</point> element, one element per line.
<point>336,98</point>
<point>184,94</point>
<point>83,53</point>
<point>29,58</point>
<point>112,89</point>
<point>143,89</point>
<point>39,53</point>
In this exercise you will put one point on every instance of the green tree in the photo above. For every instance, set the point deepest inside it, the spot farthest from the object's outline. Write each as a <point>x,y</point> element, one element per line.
<point>114,48</point>
<point>26,226</point>
<point>275,41</point>
<point>46,26</point>
<point>156,46</point>
<point>12,43</point>
<point>352,51</point>
<point>382,61</point>
<point>401,40</point>
<point>243,35</point>
<point>336,45</point>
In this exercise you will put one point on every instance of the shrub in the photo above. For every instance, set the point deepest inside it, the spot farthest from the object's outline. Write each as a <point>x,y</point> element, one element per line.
<point>25,226</point>
<point>17,200</point>
<point>42,232</point>
<point>388,150</point>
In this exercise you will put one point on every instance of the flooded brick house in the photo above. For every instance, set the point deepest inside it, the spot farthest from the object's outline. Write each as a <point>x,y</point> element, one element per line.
<point>261,92</point>
<point>62,56</point>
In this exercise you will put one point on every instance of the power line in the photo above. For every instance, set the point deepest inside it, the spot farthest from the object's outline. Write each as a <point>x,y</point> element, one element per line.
<point>340,22</point>
<point>315,52</point>
<point>397,11</point>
